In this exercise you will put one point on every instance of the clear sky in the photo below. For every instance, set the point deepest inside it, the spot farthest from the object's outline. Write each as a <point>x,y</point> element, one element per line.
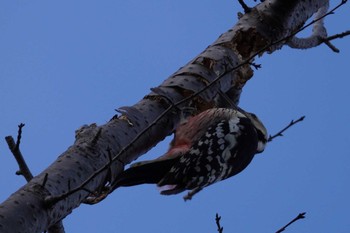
<point>68,63</point>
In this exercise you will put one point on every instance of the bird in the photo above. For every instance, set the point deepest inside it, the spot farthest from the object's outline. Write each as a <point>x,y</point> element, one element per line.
<point>209,147</point>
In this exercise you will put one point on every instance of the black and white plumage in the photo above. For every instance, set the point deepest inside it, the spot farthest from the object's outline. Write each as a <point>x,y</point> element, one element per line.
<point>209,147</point>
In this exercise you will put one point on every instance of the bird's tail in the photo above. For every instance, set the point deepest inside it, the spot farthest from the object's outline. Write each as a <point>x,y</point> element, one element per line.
<point>150,172</point>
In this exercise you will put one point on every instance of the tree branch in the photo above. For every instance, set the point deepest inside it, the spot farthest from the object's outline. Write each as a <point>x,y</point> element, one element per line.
<point>245,7</point>
<point>217,220</point>
<point>336,36</point>
<point>280,133</point>
<point>54,199</point>
<point>14,148</point>
<point>300,216</point>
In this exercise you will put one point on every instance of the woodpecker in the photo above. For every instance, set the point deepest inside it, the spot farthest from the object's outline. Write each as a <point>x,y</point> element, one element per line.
<point>209,147</point>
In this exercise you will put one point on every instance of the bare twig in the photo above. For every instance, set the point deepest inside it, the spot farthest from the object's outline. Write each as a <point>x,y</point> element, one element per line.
<point>300,216</point>
<point>336,36</point>
<point>14,148</point>
<point>331,46</point>
<point>256,66</point>
<point>280,133</point>
<point>19,135</point>
<point>217,220</point>
<point>245,7</point>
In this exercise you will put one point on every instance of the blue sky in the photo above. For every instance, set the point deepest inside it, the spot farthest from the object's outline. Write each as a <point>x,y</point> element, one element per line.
<point>68,63</point>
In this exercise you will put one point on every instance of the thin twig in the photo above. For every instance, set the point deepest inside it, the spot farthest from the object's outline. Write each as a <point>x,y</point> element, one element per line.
<point>256,66</point>
<point>14,148</point>
<point>331,46</point>
<point>300,216</point>
<point>245,7</point>
<point>53,199</point>
<point>217,220</point>
<point>280,133</point>
<point>337,36</point>
<point>19,135</point>
<point>327,41</point>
